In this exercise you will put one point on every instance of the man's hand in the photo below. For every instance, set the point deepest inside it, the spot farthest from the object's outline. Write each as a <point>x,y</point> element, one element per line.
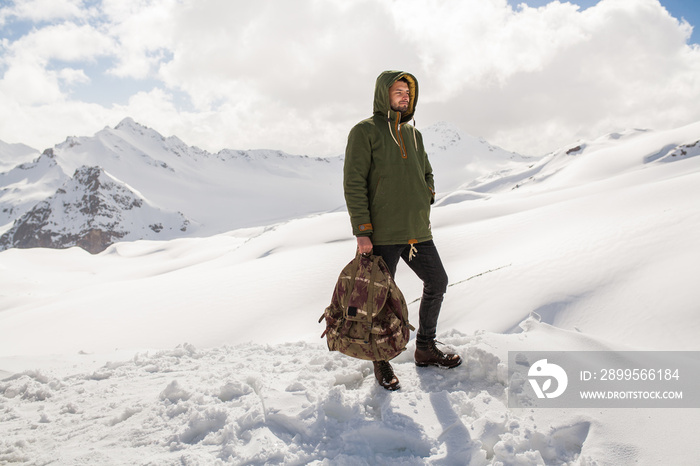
<point>364,244</point>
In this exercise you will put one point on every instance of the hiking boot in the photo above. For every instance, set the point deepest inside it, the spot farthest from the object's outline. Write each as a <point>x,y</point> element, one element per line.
<point>385,375</point>
<point>432,356</point>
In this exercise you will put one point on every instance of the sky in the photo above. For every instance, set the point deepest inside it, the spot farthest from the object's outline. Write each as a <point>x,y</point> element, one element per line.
<point>529,76</point>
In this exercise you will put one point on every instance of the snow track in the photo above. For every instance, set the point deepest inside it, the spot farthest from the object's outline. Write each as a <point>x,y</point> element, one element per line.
<point>292,403</point>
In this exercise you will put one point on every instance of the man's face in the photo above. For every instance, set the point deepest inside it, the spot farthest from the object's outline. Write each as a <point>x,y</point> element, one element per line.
<point>399,96</point>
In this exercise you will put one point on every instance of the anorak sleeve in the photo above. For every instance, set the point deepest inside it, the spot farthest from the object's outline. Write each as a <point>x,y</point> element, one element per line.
<point>358,160</point>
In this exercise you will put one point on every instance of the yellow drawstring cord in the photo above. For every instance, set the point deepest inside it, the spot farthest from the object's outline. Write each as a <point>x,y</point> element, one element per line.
<point>388,122</point>
<point>413,252</point>
<point>415,140</point>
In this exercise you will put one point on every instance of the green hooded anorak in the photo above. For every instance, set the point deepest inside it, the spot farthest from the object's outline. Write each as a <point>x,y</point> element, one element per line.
<point>388,180</point>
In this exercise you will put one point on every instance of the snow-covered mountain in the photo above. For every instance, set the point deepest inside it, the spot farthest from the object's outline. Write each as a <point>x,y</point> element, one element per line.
<point>458,159</point>
<point>27,184</point>
<point>92,210</point>
<point>214,193</point>
<point>217,192</point>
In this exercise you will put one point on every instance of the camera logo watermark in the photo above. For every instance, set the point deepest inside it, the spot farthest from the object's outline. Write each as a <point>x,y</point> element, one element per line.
<point>603,379</point>
<point>548,371</point>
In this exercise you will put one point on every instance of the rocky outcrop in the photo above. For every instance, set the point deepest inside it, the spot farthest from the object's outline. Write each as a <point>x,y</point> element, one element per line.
<point>92,211</point>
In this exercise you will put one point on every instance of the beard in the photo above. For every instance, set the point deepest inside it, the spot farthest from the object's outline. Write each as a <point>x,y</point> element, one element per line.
<point>400,107</point>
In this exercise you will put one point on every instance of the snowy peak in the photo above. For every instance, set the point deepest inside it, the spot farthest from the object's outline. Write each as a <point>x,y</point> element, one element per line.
<point>148,140</point>
<point>31,171</point>
<point>458,159</point>
<point>441,136</point>
<point>92,210</point>
<point>28,183</point>
<point>132,131</point>
<point>110,147</point>
<point>128,124</point>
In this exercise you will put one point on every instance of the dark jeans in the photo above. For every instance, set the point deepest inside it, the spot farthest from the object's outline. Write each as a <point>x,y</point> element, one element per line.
<point>428,266</point>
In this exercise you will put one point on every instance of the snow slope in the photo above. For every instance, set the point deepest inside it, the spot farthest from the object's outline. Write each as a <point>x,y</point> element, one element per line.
<point>205,350</point>
<point>289,403</point>
<point>12,155</point>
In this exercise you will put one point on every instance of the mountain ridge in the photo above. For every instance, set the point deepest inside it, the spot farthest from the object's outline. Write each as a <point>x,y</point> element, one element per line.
<point>212,193</point>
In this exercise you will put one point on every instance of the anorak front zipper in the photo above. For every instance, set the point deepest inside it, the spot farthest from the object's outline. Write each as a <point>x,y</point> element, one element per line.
<point>399,141</point>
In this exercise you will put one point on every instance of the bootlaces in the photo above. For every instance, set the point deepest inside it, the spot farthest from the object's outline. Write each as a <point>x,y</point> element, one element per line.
<point>386,370</point>
<point>435,350</point>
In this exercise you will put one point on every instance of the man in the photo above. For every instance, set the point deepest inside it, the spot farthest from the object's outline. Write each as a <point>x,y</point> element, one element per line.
<point>388,183</point>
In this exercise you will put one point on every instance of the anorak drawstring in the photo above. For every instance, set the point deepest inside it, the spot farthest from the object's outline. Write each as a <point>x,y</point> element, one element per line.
<point>415,140</point>
<point>388,122</point>
<point>413,252</point>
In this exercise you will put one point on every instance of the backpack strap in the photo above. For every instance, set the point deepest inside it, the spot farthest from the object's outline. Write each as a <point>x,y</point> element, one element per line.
<point>352,272</point>
<point>359,293</point>
<point>373,278</point>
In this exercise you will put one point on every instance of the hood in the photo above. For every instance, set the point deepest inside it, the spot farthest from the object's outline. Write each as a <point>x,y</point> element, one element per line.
<point>381,94</point>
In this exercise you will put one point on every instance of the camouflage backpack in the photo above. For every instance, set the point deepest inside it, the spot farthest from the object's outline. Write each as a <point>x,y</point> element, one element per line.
<point>368,316</point>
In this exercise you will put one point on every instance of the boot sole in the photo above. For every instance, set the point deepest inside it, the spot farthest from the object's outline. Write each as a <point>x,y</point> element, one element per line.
<point>390,388</point>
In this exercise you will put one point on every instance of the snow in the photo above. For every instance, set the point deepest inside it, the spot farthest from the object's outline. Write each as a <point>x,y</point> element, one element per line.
<point>206,350</point>
<point>14,154</point>
<point>27,184</point>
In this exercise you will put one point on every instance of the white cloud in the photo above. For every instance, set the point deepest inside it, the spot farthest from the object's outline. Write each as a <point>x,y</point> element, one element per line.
<point>72,76</point>
<point>289,51</point>
<point>282,74</point>
<point>44,10</point>
<point>28,83</point>
<point>544,77</point>
<point>297,75</point>
<point>31,77</point>
<point>66,42</point>
<point>144,31</point>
